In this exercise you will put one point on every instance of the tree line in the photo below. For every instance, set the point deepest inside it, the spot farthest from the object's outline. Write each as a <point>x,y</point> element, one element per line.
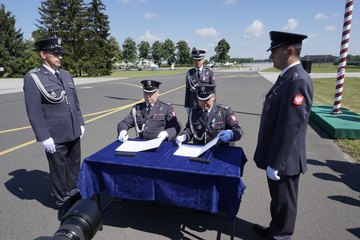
<point>90,50</point>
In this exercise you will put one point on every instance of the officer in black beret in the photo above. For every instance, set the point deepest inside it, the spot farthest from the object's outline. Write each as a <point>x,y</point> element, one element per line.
<point>152,118</point>
<point>281,140</point>
<point>197,76</point>
<point>210,119</point>
<point>53,109</point>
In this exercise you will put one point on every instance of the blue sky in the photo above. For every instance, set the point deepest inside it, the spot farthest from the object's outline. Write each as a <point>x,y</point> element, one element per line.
<point>203,23</point>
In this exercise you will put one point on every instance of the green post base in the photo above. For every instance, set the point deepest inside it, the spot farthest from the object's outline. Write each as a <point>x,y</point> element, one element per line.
<point>343,125</point>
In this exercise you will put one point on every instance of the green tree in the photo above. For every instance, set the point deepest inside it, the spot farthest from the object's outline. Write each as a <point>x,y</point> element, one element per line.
<point>221,51</point>
<point>169,51</point>
<point>129,50</point>
<point>65,19</point>
<point>12,46</point>
<point>144,49</point>
<point>157,52</point>
<point>183,53</point>
<point>98,50</point>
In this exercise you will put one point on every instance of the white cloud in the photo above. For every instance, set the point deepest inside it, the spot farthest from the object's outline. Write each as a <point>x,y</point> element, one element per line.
<point>150,15</point>
<point>150,37</point>
<point>320,16</point>
<point>206,32</point>
<point>330,28</point>
<point>256,29</point>
<point>291,25</point>
<point>230,2</point>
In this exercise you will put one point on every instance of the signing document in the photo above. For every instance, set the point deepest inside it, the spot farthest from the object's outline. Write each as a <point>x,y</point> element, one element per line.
<point>138,146</point>
<point>187,150</point>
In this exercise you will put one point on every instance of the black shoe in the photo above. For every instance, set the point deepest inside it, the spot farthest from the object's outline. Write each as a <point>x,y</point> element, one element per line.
<point>264,231</point>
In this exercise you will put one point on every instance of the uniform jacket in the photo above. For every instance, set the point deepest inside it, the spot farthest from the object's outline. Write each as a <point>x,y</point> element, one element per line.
<point>192,80</point>
<point>284,118</point>
<point>61,121</point>
<point>202,131</point>
<point>161,117</point>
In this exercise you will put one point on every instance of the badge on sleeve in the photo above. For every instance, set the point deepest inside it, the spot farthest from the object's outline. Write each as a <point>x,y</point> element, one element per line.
<point>233,118</point>
<point>298,100</point>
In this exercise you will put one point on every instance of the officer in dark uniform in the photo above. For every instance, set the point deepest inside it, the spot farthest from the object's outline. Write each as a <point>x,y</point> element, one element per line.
<point>281,141</point>
<point>197,76</point>
<point>152,118</point>
<point>53,109</point>
<point>210,119</point>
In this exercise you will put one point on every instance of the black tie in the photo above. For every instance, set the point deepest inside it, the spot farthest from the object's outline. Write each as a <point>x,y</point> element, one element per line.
<point>149,109</point>
<point>199,73</point>
<point>205,115</point>
<point>57,74</point>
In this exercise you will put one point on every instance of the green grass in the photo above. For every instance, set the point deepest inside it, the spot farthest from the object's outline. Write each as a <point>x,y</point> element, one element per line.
<point>323,68</point>
<point>324,92</point>
<point>146,73</point>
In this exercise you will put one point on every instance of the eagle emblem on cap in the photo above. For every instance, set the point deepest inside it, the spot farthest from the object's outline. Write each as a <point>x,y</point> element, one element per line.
<point>59,41</point>
<point>149,83</point>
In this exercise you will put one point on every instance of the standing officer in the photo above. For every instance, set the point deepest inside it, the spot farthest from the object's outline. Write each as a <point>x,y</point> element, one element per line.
<point>152,118</point>
<point>281,141</point>
<point>197,76</point>
<point>53,109</point>
<point>210,119</point>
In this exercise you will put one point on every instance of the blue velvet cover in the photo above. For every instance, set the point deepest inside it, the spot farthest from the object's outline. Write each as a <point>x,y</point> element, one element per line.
<point>159,175</point>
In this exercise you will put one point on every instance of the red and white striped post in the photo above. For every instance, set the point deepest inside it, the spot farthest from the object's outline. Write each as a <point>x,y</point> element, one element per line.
<point>343,56</point>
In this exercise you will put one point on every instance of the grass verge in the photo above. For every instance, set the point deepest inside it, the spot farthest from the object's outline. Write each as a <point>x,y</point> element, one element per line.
<point>324,92</point>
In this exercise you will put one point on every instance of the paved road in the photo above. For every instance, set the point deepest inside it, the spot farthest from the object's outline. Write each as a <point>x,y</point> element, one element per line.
<point>329,203</point>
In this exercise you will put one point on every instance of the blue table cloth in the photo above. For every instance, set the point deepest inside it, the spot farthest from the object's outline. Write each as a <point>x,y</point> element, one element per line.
<point>159,175</point>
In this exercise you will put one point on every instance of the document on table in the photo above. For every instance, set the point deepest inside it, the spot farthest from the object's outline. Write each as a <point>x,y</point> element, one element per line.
<point>187,150</point>
<point>138,146</point>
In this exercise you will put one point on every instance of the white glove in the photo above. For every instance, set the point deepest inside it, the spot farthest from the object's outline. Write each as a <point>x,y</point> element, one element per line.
<point>123,136</point>
<point>272,173</point>
<point>163,135</point>
<point>187,110</point>
<point>180,139</point>
<point>82,131</point>
<point>226,135</point>
<point>49,145</point>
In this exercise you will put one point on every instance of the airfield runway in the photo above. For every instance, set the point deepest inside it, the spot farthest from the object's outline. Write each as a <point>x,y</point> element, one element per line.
<point>329,196</point>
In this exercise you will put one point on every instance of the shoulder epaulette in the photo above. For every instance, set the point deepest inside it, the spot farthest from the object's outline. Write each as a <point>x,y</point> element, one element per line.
<point>35,70</point>
<point>223,106</point>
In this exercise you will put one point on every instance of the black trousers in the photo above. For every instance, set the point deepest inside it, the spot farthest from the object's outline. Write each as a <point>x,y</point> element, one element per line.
<point>283,206</point>
<point>64,166</point>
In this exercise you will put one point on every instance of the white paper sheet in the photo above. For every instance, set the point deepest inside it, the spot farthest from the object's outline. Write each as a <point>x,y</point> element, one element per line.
<point>138,146</point>
<point>187,150</point>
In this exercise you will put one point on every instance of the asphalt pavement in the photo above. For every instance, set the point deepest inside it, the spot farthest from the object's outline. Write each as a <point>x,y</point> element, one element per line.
<point>329,196</point>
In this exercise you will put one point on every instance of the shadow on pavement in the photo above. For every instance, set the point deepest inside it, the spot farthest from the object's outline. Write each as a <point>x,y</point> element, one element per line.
<point>348,173</point>
<point>175,223</point>
<point>30,185</point>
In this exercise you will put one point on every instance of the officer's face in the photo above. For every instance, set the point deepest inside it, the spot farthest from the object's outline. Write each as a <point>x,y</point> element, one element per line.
<point>207,104</point>
<point>279,56</point>
<point>51,59</point>
<point>151,97</point>
<point>198,63</point>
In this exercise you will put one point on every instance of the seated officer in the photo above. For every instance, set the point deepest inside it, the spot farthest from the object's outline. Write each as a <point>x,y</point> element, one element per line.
<point>210,119</point>
<point>152,118</point>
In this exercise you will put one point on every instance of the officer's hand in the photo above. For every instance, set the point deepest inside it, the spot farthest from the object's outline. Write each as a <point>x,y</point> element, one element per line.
<point>49,145</point>
<point>180,139</point>
<point>226,135</point>
<point>163,135</point>
<point>82,131</point>
<point>123,136</point>
<point>272,173</point>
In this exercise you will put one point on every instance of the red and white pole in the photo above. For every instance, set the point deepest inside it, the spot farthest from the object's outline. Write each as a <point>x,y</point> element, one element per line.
<point>343,56</point>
